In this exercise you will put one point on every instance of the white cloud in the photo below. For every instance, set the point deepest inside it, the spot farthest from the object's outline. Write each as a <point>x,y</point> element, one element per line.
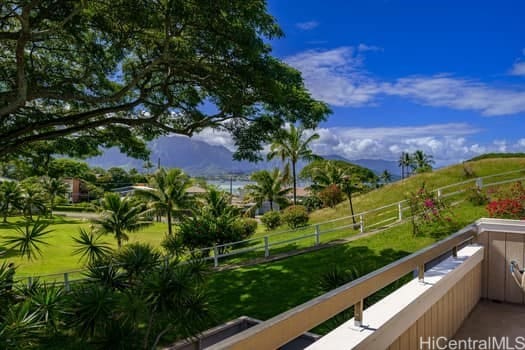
<point>307,25</point>
<point>518,69</point>
<point>215,138</point>
<point>338,77</point>
<point>458,93</point>
<point>364,48</point>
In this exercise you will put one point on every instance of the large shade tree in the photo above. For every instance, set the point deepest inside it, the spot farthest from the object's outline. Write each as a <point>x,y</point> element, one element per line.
<point>293,145</point>
<point>79,74</point>
<point>168,193</point>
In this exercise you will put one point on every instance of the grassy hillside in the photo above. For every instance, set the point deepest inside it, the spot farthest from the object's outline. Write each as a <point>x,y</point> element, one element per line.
<point>57,255</point>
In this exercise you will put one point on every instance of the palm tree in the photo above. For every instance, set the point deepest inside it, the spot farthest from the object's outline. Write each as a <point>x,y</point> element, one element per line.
<point>54,188</point>
<point>10,197</point>
<point>405,162</point>
<point>168,194</point>
<point>269,186</point>
<point>120,216</point>
<point>29,238</point>
<point>90,247</point>
<point>421,161</point>
<point>290,145</point>
<point>330,173</point>
<point>33,198</point>
<point>386,176</point>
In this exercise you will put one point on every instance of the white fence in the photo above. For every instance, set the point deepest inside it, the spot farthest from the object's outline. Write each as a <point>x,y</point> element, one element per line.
<point>311,235</point>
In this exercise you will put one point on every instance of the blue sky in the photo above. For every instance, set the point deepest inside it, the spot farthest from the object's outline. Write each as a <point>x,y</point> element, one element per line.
<point>447,77</point>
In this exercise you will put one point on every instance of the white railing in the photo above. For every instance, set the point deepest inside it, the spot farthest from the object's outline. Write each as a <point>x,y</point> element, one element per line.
<point>263,247</point>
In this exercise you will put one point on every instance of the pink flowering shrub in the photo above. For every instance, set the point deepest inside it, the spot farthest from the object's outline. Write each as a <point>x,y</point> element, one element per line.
<point>509,204</point>
<point>429,214</point>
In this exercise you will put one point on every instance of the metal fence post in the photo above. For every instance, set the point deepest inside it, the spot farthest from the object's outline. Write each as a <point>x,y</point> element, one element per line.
<point>317,235</point>
<point>66,282</point>
<point>400,211</point>
<point>479,183</point>
<point>361,224</point>
<point>215,256</point>
<point>266,247</point>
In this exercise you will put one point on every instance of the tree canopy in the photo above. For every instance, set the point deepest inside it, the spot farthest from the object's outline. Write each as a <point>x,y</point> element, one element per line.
<point>93,73</point>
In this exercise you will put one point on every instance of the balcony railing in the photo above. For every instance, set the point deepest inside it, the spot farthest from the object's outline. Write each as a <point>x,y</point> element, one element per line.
<point>434,304</point>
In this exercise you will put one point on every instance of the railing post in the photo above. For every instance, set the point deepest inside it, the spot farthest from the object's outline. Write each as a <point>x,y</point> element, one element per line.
<point>421,272</point>
<point>361,223</point>
<point>479,183</point>
<point>29,281</point>
<point>66,282</point>
<point>358,313</point>
<point>215,256</point>
<point>317,235</point>
<point>400,211</point>
<point>439,193</point>
<point>455,251</point>
<point>266,247</point>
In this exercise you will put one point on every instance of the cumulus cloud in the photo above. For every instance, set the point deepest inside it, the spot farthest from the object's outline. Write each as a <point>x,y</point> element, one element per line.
<point>449,143</point>
<point>518,69</point>
<point>338,77</point>
<point>307,25</point>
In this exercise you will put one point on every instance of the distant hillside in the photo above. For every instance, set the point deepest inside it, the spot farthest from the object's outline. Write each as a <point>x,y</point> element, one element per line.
<point>376,165</point>
<point>195,157</point>
<point>497,155</point>
<point>199,158</point>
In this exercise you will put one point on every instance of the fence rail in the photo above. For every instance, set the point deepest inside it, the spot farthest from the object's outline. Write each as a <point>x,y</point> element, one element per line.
<point>275,243</point>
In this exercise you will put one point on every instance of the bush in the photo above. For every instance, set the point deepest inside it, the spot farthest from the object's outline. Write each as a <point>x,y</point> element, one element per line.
<point>245,228</point>
<point>510,203</point>
<point>271,220</point>
<point>295,216</point>
<point>76,209</point>
<point>312,203</point>
<point>331,196</point>
<point>476,196</point>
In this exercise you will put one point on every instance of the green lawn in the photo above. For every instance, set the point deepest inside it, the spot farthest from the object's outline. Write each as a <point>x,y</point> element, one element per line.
<point>265,290</point>
<point>57,255</point>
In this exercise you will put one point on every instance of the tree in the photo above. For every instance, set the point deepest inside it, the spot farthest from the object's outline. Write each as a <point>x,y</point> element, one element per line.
<point>292,146</point>
<point>386,176</point>
<point>168,195</point>
<point>120,216</point>
<point>10,197</point>
<point>405,162</point>
<point>422,162</point>
<point>54,188</point>
<point>28,239</point>
<point>33,197</point>
<point>95,73</point>
<point>347,176</point>
<point>269,186</point>
<point>90,247</point>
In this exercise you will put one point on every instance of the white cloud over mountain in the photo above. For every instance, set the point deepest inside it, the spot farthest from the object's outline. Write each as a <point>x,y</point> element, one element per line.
<point>448,143</point>
<point>338,77</point>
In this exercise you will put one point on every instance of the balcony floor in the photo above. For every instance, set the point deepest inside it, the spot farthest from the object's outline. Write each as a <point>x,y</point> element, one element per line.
<point>493,319</point>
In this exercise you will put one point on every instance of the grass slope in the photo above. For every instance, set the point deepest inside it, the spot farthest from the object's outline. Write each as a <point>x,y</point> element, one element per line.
<point>57,256</point>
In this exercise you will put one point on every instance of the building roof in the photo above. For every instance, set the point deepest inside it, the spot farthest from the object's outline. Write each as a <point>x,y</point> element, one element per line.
<point>195,190</point>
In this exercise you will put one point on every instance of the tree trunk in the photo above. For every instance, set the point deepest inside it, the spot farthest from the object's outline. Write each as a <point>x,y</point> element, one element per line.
<point>349,195</point>
<point>271,205</point>
<point>170,231</point>
<point>5,217</point>
<point>294,185</point>
<point>52,205</point>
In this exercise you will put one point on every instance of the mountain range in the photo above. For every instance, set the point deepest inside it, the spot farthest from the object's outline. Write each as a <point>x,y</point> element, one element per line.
<point>199,158</point>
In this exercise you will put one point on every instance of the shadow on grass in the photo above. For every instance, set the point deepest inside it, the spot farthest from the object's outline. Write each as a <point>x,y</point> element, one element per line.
<point>265,290</point>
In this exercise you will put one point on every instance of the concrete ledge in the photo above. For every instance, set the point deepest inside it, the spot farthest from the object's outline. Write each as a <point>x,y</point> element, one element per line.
<point>386,320</point>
